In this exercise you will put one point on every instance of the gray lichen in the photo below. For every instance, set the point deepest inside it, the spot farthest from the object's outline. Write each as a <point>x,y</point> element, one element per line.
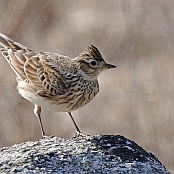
<point>90,154</point>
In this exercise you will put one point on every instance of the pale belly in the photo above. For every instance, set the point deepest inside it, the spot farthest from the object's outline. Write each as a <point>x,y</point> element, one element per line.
<point>57,104</point>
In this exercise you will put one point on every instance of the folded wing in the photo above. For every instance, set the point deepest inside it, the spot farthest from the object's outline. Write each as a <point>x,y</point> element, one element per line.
<point>33,68</point>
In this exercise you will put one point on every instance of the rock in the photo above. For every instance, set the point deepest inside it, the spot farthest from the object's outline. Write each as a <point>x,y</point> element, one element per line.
<point>90,154</point>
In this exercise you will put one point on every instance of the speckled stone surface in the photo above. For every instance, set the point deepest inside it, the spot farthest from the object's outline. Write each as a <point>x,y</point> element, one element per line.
<point>91,154</point>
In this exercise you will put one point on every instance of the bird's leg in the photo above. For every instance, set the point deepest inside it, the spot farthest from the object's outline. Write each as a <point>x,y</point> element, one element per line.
<point>78,132</point>
<point>37,111</point>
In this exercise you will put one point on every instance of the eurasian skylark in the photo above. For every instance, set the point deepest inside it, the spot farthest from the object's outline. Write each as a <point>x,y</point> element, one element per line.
<point>52,81</point>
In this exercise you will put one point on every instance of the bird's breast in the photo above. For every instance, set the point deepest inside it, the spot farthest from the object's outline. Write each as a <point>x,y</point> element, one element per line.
<point>82,94</point>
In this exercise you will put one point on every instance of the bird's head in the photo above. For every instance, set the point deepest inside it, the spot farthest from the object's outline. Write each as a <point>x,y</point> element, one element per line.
<point>92,63</point>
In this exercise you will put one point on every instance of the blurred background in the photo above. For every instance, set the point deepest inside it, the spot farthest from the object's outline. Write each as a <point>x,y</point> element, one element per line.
<point>136,99</point>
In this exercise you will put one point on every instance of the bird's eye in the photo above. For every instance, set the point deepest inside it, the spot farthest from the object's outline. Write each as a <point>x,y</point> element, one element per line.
<point>93,63</point>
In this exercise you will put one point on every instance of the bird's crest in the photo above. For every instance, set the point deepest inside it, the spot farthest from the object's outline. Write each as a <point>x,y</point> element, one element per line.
<point>93,52</point>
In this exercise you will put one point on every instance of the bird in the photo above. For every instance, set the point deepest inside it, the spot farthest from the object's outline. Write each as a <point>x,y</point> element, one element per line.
<point>52,81</point>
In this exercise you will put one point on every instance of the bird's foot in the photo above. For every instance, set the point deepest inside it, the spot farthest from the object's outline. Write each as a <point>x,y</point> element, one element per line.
<point>80,135</point>
<point>44,136</point>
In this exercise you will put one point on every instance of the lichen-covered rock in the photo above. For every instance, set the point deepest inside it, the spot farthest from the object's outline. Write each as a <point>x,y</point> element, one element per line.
<point>90,154</point>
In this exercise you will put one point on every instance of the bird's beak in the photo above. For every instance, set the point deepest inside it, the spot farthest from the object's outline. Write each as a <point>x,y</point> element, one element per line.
<point>107,66</point>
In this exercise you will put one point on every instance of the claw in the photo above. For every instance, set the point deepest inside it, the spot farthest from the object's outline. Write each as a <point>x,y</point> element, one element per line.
<point>80,135</point>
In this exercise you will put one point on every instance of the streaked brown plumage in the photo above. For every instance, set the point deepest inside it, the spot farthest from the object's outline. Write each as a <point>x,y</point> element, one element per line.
<point>53,81</point>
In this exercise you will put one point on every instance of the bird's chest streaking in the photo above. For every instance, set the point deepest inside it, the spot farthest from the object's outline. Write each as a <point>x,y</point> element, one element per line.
<point>79,92</point>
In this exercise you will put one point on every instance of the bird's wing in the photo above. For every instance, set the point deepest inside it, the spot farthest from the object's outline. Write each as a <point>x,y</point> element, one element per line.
<point>31,68</point>
<point>50,76</point>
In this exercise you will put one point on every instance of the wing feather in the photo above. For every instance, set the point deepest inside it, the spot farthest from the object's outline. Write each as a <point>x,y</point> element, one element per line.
<point>34,68</point>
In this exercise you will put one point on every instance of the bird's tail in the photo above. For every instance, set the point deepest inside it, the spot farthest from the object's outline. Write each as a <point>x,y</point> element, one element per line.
<point>8,43</point>
<point>14,54</point>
